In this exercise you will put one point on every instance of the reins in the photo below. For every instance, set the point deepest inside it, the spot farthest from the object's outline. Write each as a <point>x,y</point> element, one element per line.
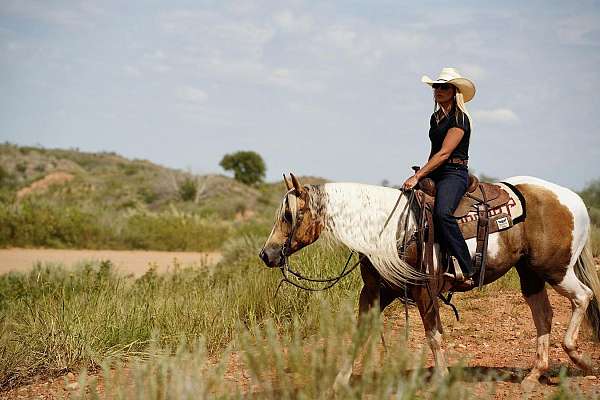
<point>331,282</point>
<point>285,268</point>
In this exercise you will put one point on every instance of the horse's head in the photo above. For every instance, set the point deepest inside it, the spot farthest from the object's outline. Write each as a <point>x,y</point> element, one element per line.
<point>296,225</point>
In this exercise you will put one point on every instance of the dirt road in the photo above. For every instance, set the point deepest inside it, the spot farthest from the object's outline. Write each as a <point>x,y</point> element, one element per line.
<point>126,261</point>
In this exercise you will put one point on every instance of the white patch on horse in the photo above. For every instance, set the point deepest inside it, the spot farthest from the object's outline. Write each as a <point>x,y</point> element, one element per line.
<point>493,245</point>
<point>356,215</point>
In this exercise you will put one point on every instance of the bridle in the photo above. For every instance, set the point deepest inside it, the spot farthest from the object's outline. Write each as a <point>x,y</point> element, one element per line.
<point>286,252</point>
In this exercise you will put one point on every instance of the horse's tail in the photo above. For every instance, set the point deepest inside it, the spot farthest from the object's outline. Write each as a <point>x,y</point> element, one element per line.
<point>586,271</point>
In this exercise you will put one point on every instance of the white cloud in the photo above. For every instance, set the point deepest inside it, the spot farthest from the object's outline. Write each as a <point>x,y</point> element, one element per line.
<point>132,71</point>
<point>472,71</point>
<point>290,22</point>
<point>579,30</point>
<point>496,116</point>
<point>341,37</point>
<point>192,95</point>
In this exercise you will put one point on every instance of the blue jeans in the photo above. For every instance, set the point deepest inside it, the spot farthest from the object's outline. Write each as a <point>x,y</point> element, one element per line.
<point>451,183</point>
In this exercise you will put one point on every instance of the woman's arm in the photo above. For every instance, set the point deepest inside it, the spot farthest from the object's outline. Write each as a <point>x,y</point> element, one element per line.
<point>451,141</point>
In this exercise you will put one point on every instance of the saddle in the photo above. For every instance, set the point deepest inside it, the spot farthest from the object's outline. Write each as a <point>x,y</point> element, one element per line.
<point>484,209</point>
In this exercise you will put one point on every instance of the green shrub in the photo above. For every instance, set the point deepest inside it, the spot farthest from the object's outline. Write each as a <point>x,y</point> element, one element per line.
<point>591,194</point>
<point>172,231</point>
<point>33,223</point>
<point>595,215</point>
<point>4,175</point>
<point>21,167</point>
<point>188,189</point>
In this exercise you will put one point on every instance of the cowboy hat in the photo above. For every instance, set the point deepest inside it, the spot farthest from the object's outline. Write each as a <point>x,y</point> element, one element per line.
<point>451,75</point>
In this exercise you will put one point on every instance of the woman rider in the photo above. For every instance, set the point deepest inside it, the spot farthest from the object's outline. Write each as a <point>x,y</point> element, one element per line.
<point>449,132</point>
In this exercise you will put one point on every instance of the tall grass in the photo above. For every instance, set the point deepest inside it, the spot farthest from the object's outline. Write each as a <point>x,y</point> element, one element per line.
<point>53,320</point>
<point>284,366</point>
<point>595,238</point>
<point>42,224</point>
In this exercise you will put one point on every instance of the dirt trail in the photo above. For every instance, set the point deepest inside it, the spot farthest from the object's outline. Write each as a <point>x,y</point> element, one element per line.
<point>126,261</point>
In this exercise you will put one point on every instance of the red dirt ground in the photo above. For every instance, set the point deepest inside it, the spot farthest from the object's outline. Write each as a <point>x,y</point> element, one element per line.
<point>495,334</point>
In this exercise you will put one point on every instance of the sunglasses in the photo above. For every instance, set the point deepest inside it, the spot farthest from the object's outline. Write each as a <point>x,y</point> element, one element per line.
<point>442,86</point>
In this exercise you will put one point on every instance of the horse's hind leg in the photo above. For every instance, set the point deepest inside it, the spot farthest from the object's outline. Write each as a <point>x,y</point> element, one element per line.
<point>579,295</point>
<point>534,292</point>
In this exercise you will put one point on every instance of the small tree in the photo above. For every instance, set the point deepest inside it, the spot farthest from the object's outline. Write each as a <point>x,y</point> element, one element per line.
<point>248,166</point>
<point>188,189</point>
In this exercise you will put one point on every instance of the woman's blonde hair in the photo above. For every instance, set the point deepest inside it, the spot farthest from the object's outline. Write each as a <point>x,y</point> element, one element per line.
<point>459,100</point>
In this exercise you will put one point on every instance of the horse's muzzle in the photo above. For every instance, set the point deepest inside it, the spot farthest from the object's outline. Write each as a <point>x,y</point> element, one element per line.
<point>271,256</point>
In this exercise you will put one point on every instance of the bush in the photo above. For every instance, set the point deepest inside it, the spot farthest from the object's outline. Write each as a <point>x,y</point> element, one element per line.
<point>39,224</point>
<point>591,194</point>
<point>173,232</point>
<point>188,189</point>
<point>248,166</point>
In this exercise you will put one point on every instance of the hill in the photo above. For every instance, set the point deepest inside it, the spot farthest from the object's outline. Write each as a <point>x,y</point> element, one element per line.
<point>70,198</point>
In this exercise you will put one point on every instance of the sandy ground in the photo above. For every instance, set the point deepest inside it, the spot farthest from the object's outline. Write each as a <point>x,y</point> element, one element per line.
<point>126,261</point>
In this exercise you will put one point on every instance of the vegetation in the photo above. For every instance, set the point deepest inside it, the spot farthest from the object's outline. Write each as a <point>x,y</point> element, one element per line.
<point>53,320</point>
<point>188,189</point>
<point>175,331</point>
<point>248,166</point>
<point>101,200</point>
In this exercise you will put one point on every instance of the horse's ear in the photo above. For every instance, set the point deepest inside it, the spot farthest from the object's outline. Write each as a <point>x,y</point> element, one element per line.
<point>288,184</point>
<point>297,184</point>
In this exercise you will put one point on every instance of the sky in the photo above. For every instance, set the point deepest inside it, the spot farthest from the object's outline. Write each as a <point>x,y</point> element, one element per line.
<point>321,88</point>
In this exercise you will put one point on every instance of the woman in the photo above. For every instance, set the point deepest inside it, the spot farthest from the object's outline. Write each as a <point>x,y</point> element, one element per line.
<point>449,132</point>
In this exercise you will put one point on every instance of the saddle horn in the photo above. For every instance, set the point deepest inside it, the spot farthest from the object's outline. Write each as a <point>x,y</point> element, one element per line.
<point>297,184</point>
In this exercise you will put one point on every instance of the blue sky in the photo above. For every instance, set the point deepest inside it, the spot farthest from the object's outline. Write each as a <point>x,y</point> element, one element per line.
<point>330,89</point>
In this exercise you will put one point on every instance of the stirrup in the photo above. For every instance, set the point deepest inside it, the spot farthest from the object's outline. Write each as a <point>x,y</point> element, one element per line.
<point>458,274</point>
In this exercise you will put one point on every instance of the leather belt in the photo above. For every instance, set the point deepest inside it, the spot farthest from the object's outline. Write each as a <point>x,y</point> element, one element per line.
<point>458,161</point>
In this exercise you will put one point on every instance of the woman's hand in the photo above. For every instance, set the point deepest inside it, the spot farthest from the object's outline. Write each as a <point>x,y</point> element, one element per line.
<point>410,183</point>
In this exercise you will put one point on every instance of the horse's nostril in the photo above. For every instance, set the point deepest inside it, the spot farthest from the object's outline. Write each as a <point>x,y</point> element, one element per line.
<point>263,255</point>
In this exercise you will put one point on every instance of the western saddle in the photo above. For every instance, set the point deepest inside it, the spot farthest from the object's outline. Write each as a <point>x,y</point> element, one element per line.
<point>473,217</point>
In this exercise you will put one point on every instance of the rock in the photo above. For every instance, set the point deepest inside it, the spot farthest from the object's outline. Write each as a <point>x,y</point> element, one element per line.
<point>72,386</point>
<point>591,377</point>
<point>461,346</point>
<point>70,376</point>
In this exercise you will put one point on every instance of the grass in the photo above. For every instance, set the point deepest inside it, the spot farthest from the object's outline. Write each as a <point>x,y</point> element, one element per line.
<point>38,223</point>
<point>595,238</point>
<point>283,366</point>
<point>174,331</point>
<point>53,320</point>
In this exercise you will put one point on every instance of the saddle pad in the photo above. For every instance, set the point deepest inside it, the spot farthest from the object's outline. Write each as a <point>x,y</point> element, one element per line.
<point>501,217</point>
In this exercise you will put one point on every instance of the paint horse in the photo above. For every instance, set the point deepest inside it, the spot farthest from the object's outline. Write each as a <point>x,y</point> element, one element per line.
<point>551,246</point>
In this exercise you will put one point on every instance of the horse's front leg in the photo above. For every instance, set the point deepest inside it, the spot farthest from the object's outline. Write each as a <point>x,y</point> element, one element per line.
<point>429,310</point>
<point>369,296</point>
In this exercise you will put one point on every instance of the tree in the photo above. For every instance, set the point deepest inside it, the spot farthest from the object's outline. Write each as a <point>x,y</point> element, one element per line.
<point>248,166</point>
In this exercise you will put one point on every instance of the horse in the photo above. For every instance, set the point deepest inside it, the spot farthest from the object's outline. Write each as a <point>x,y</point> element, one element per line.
<point>551,245</point>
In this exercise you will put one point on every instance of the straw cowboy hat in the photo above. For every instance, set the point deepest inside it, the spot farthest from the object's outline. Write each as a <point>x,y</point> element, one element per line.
<point>451,75</point>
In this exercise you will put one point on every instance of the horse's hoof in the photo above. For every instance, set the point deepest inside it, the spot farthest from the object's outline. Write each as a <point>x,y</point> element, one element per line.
<point>342,380</point>
<point>529,383</point>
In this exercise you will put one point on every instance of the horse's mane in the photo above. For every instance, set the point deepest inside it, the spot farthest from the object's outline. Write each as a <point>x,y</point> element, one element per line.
<point>356,214</point>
